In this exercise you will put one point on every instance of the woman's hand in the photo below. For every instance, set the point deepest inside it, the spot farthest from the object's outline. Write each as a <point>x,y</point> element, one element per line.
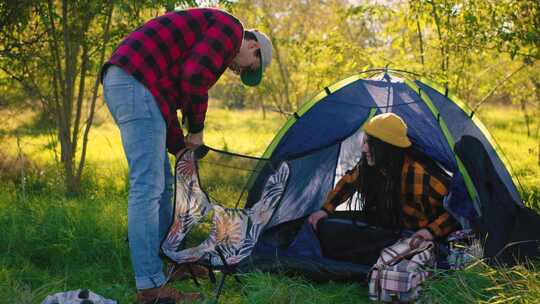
<point>419,236</point>
<point>315,217</point>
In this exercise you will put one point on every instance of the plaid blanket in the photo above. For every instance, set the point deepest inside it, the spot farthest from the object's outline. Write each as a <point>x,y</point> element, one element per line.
<point>400,270</point>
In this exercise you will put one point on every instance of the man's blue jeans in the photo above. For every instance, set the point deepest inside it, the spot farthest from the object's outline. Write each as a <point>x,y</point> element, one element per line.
<point>143,131</point>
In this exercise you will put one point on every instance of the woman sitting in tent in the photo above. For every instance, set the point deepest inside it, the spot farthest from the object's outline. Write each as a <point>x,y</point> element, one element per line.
<point>400,191</point>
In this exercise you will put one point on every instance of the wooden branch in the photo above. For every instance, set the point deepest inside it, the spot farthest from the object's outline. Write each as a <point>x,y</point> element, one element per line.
<point>29,86</point>
<point>499,84</point>
<point>421,40</point>
<point>58,81</point>
<point>80,98</point>
<point>18,44</point>
<point>68,70</point>
<point>85,58</point>
<point>281,111</point>
<point>442,48</point>
<point>106,37</point>
<point>281,65</point>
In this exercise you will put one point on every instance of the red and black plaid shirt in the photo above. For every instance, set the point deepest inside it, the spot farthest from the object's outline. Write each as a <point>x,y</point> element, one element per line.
<point>422,193</point>
<point>178,57</point>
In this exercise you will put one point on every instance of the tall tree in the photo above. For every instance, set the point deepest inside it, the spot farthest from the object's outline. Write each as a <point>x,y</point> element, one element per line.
<point>54,49</point>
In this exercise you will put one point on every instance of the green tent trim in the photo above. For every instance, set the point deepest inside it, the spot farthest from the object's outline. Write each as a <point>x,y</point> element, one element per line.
<point>466,177</point>
<point>476,120</point>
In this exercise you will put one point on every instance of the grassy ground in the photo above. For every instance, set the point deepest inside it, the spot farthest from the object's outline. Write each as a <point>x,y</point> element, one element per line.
<point>49,243</point>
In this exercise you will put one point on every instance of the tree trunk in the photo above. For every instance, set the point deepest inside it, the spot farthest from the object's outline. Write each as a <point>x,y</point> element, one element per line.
<point>537,92</point>
<point>58,69</point>
<point>263,109</point>
<point>421,41</point>
<point>85,58</point>
<point>526,116</point>
<point>65,43</point>
<point>94,92</point>
<point>537,86</point>
<point>61,90</point>
<point>442,47</point>
<point>278,58</point>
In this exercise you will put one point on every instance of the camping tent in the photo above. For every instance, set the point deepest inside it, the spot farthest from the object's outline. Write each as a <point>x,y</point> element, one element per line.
<point>320,142</point>
<point>326,131</point>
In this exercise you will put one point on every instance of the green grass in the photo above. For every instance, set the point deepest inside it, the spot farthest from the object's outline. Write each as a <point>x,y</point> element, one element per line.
<point>50,243</point>
<point>480,283</point>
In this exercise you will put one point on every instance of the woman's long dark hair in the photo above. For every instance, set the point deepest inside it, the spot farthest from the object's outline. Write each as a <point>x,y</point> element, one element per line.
<point>381,184</point>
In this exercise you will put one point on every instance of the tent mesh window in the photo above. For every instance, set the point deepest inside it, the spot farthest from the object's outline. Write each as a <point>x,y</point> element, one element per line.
<point>226,177</point>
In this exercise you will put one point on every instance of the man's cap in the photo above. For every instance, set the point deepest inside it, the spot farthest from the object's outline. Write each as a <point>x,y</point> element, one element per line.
<point>253,77</point>
<point>389,128</point>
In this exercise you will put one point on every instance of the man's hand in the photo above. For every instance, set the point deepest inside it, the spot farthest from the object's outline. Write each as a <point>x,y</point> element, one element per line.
<point>180,152</point>
<point>315,217</point>
<point>193,140</point>
<point>418,236</point>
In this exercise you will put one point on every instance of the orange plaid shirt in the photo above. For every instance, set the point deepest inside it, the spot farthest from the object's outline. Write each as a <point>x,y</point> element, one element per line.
<point>422,193</point>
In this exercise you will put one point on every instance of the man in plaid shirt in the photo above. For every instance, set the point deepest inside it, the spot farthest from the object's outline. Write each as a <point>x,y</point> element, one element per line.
<point>169,64</point>
<point>400,190</point>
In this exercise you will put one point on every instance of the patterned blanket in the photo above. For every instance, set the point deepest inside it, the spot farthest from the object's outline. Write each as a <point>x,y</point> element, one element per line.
<point>234,231</point>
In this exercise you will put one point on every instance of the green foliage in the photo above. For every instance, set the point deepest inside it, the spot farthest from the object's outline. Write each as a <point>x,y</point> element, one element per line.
<point>481,283</point>
<point>486,51</point>
<point>51,243</point>
<point>275,289</point>
<point>313,47</point>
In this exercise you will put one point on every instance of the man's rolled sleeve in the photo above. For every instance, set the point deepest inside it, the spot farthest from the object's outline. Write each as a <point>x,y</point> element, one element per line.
<point>196,114</point>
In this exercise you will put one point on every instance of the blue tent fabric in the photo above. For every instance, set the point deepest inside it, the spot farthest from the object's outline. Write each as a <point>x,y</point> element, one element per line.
<point>344,111</point>
<point>310,180</point>
<point>306,243</point>
<point>459,125</point>
<point>325,123</point>
<point>302,256</point>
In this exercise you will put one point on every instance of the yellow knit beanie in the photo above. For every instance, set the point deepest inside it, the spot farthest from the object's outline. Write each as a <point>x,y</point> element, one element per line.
<point>389,128</point>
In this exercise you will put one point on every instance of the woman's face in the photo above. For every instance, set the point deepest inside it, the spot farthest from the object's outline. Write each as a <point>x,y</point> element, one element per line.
<point>367,152</point>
